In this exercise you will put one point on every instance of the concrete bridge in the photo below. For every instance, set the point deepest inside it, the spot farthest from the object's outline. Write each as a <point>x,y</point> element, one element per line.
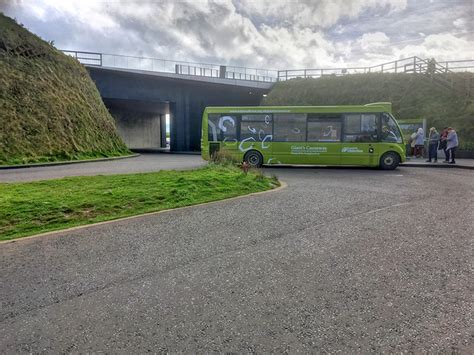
<point>139,97</point>
<point>140,91</point>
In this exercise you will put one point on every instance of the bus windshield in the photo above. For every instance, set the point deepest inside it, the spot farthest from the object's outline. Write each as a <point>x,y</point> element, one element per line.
<point>390,131</point>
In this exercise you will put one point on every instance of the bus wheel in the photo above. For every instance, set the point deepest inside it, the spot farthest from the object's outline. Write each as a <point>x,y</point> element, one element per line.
<point>254,159</point>
<point>389,161</point>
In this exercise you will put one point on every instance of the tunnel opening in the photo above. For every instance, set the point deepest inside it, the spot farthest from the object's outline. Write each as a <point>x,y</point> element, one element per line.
<point>143,125</point>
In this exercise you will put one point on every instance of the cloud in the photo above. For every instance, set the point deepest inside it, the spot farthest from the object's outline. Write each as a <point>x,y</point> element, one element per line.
<point>255,33</point>
<point>373,41</point>
<point>443,47</point>
<point>308,13</point>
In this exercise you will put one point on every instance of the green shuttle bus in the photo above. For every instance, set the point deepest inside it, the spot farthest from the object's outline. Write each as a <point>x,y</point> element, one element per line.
<point>365,135</point>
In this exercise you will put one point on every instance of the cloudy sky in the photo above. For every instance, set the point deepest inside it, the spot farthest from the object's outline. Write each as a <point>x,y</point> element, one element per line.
<point>277,34</point>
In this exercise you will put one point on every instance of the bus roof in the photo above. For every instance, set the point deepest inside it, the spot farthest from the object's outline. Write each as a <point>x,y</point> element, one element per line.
<point>371,107</point>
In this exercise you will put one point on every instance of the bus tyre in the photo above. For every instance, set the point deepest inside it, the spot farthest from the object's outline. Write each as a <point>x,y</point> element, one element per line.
<point>389,161</point>
<point>254,159</point>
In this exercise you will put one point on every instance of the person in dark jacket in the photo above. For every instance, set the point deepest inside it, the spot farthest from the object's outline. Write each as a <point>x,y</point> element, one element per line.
<point>433,141</point>
<point>443,143</point>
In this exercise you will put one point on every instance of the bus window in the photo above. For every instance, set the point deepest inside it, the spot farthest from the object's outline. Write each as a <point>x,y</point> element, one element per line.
<point>360,128</point>
<point>256,126</point>
<point>289,127</point>
<point>390,131</point>
<point>222,127</point>
<point>324,130</point>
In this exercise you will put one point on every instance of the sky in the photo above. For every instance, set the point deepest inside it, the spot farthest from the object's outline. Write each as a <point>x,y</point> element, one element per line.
<point>270,34</point>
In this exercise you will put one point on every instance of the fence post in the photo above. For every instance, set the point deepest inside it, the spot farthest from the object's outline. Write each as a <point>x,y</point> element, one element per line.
<point>222,71</point>
<point>414,64</point>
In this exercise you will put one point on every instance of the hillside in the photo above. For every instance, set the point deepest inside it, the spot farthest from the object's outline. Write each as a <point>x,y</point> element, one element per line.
<point>413,96</point>
<point>50,109</point>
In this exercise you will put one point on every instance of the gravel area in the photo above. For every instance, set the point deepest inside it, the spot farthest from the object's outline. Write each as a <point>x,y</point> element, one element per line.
<point>342,260</point>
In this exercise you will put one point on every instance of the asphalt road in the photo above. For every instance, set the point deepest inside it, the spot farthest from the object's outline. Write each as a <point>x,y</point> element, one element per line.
<point>342,260</point>
<point>141,164</point>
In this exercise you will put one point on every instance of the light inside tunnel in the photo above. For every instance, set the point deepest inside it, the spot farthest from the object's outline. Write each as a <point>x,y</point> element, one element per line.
<point>167,120</point>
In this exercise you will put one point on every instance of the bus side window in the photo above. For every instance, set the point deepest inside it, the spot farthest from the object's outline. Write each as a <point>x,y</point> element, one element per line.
<point>257,127</point>
<point>289,127</point>
<point>222,127</point>
<point>360,127</point>
<point>324,128</point>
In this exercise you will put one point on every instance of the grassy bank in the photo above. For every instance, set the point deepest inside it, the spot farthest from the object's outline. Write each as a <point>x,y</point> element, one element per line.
<point>35,207</point>
<point>412,96</point>
<point>50,108</point>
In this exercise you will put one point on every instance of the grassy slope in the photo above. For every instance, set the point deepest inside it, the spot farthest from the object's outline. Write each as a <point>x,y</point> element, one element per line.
<point>412,97</point>
<point>50,109</point>
<point>34,207</point>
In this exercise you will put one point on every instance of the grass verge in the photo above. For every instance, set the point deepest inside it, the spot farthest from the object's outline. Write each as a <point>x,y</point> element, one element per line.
<point>35,207</point>
<point>63,157</point>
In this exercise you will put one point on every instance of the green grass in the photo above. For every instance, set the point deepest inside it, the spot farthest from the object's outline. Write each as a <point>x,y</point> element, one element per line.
<point>34,207</point>
<point>64,157</point>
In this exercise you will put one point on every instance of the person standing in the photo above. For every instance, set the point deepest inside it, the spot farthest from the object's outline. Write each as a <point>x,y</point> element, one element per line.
<point>419,142</point>
<point>443,143</point>
<point>433,140</point>
<point>452,144</point>
<point>412,142</point>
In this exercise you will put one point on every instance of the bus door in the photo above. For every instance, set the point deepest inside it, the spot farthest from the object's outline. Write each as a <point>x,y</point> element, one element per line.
<point>359,139</point>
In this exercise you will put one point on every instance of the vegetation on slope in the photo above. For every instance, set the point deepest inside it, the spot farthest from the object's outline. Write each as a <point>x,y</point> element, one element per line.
<point>413,96</point>
<point>50,108</point>
<point>34,207</point>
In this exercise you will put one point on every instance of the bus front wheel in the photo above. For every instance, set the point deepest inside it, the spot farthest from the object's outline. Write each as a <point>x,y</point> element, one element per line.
<point>254,159</point>
<point>389,161</point>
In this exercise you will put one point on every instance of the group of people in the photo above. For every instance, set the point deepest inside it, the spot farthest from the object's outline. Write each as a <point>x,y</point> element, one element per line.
<point>447,141</point>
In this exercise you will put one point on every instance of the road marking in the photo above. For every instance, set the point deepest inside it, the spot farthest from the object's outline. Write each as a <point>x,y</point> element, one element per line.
<point>386,208</point>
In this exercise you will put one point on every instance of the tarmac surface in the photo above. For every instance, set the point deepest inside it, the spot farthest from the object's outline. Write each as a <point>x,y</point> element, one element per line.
<point>141,164</point>
<point>342,260</point>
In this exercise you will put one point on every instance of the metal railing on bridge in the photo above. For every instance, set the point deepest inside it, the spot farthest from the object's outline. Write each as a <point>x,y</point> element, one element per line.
<point>407,65</point>
<point>173,66</point>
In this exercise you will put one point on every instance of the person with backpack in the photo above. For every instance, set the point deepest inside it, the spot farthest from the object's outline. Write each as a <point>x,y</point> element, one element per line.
<point>433,141</point>
<point>452,144</point>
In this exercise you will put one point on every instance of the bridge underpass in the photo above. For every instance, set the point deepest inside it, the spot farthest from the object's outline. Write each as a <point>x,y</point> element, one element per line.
<point>139,100</point>
<point>141,124</point>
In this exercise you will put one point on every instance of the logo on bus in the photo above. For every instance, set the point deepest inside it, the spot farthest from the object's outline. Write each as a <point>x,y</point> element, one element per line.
<point>303,149</point>
<point>351,150</point>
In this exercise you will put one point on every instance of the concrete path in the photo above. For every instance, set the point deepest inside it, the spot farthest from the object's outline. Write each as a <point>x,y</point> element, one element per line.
<point>342,260</point>
<point>421,162</point>
<point>140,164</point>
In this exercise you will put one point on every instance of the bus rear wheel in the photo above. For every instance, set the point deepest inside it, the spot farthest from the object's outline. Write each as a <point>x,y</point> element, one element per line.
<point>389,161</point>
<point>254,159</point>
